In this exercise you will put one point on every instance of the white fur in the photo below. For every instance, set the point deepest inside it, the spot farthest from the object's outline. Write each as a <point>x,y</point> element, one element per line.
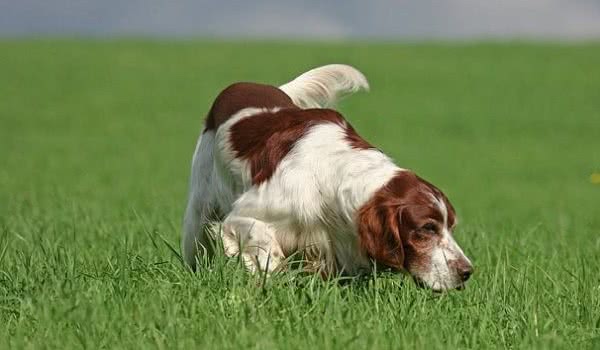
<point>201,199</point>
<point>324,86</point>
<point>214,185</point>
<point>310,201</point>
<point>308,205</point>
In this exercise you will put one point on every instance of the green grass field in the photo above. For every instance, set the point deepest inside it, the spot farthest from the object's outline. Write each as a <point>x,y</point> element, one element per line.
<point>95,143</point>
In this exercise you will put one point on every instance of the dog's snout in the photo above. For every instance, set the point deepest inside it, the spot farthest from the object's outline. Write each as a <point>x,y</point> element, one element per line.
<point>463,269</point>
<point>465,272</point>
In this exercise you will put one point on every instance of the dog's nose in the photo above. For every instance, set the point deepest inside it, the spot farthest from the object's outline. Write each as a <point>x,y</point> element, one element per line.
<point>465,272</point>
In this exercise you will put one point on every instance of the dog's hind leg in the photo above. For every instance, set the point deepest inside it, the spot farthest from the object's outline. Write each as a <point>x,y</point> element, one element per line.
<point>201,206</point>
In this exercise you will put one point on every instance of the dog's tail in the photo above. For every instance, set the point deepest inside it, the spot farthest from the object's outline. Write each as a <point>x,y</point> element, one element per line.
<point>323,86</point>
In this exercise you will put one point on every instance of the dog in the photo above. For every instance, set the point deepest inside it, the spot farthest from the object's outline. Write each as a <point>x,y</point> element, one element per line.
<point>283,174</point>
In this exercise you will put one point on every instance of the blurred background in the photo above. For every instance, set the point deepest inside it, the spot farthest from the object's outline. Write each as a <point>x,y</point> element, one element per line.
<point>387,19</point>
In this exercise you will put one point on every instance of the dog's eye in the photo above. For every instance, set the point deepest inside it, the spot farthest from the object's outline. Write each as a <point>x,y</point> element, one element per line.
<point>430,226</point>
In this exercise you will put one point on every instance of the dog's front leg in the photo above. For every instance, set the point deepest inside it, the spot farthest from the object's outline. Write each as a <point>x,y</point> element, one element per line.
<point>254,241</point>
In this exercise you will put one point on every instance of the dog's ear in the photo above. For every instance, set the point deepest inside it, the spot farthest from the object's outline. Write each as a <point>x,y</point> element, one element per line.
<point>379,234</point>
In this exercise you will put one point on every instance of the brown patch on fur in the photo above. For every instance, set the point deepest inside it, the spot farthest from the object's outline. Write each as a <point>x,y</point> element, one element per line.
<point>390,224</point>
<point>265,139</point>
<point>355,140</point>
<point>243,95</point>
<point>440,195</point>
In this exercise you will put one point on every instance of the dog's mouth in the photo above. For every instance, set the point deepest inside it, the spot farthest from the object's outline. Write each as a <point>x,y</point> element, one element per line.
<point>422,285</point>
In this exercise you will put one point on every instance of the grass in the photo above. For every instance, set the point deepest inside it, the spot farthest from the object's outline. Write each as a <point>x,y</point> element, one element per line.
<point>95,143</point>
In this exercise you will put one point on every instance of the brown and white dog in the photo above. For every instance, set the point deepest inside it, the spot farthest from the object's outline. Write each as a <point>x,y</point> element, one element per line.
<point>285,176</point>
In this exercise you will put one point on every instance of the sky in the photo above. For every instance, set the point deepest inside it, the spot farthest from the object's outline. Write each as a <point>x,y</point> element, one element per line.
<point>312,19</point>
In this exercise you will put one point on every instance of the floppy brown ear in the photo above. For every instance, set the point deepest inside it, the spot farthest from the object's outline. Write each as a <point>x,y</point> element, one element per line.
<point>379,234</point>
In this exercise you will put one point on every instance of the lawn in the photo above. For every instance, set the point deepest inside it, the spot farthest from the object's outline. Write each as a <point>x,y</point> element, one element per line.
<point>95,143</point>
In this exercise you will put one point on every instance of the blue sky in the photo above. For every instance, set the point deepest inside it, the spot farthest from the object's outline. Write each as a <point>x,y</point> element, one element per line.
<point>336,19</point>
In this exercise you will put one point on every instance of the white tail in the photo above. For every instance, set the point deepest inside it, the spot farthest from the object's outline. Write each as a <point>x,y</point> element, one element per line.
<point>323,86</point>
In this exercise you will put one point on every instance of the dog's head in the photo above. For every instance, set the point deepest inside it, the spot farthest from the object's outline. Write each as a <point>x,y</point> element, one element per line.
<point>407,225</point>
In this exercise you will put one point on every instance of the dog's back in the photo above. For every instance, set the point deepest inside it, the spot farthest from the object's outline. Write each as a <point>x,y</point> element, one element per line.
<point>238,96</point>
